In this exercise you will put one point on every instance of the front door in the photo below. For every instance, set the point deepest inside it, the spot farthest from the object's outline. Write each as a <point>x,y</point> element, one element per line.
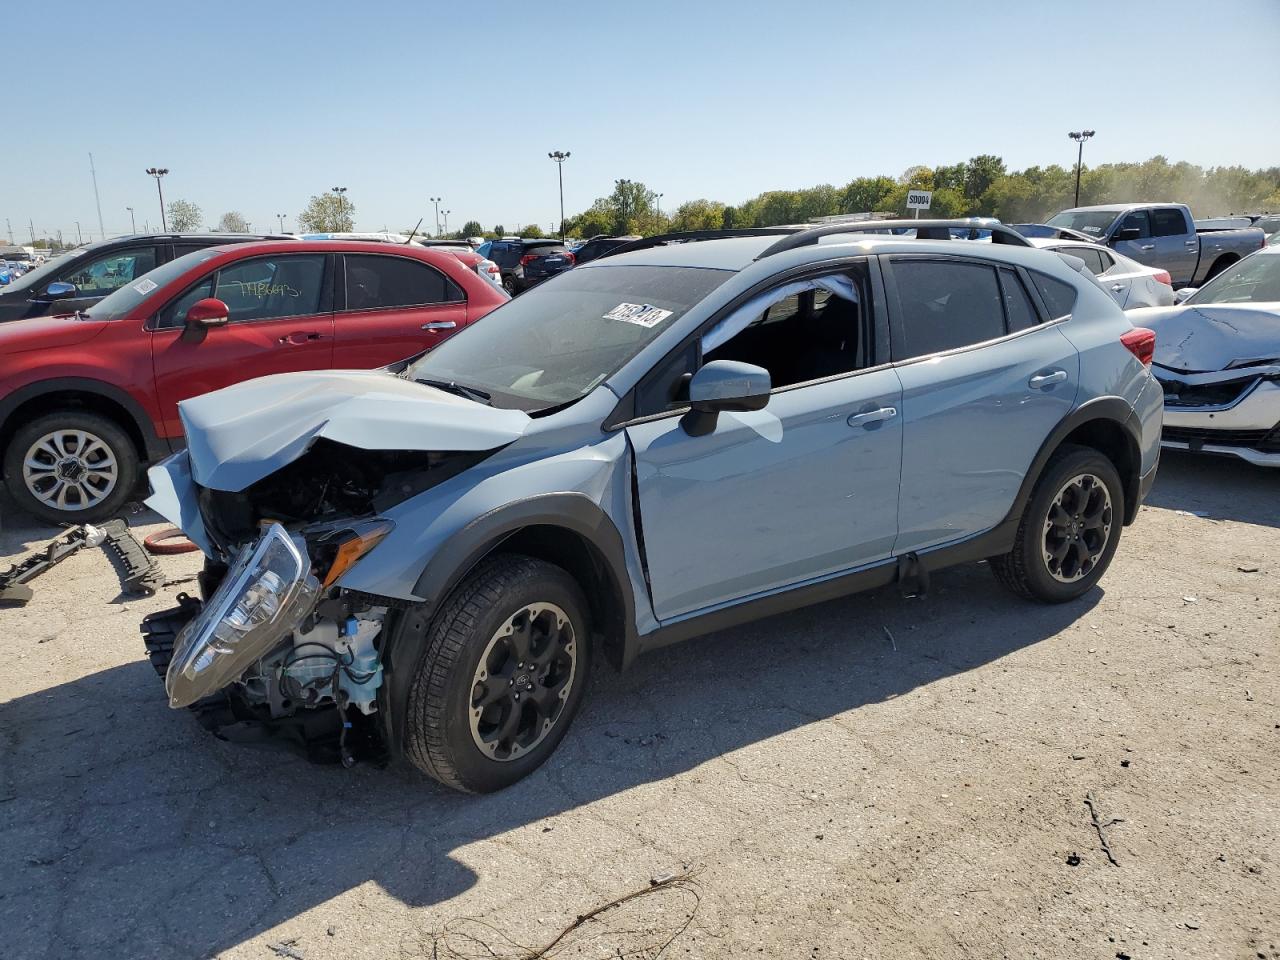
<point>395,306</point>
<point>1142,249</point>
<point>984,382</point>
<point>101,276</point>
<point>281,321</point>
<point>805,488</point>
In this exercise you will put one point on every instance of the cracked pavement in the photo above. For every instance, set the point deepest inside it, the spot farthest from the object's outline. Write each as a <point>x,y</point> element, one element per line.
<point>872,777</point>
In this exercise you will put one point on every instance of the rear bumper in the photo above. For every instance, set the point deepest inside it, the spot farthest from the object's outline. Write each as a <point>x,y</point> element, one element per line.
<point>1260,458</point>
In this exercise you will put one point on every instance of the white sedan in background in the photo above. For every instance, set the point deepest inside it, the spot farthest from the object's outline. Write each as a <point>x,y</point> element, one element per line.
<point>1129,282</point>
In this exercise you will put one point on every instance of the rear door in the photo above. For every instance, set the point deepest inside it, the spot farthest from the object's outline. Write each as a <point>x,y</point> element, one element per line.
<point>1098,260</point>
<point>392,307</point>
<point>1177,246</point>
<point>281,320</point>
<point>986,376</point>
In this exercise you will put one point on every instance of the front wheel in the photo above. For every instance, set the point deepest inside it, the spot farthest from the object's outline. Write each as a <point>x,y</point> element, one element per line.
<point>1069,531</point>
<point>71,466</point>
<point>501,674</point>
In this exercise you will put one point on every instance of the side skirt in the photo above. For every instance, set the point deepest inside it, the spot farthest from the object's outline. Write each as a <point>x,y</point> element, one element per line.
<point>994,542</point>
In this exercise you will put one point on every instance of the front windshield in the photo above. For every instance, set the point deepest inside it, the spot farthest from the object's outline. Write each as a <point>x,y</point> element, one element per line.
<point>560,340</point>
<point>1254,279</point>
<point>1092,222</point>
<point>121,303</point>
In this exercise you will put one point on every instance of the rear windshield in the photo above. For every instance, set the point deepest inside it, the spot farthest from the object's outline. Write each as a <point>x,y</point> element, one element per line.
<point>560,340</point>
<point>1092,222</point>
<point>118,305</point>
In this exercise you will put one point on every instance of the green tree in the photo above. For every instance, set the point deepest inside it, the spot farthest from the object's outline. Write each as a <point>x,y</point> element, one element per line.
<point>499,231</point>
<point>183,215</point>
<point>472,228</point>
<point>327,213</point>
<point>532,231</point>
<point>233,222</point>
<point>698,215</point>
<point>979,174</point>
<point>866,194</point>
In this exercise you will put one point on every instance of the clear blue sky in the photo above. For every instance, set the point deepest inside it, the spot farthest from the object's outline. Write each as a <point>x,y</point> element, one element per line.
<point>254,106</point>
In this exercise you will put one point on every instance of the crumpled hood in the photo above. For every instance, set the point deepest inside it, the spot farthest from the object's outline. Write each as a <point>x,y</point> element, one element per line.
<point>1193,339</point>
<point>238,435</point>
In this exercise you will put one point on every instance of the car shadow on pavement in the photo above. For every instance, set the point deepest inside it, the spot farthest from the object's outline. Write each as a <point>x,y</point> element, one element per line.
<point>1219,488</point>
<point>125,830</point>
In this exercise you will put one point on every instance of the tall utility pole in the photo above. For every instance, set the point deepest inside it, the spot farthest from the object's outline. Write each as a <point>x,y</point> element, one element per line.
<point>436,201</point>
<point>159,172</point>
<point>9,227</point>
<point>341,193</point>
<point>96,199</point>
<point>32,225</point>
<point>560,157</point>
<point>280,217</point>
<point>133,222</point>
<point>659,202</point>
<point>1079,137</point>
<point>445,214</point>
<point>79,236</point>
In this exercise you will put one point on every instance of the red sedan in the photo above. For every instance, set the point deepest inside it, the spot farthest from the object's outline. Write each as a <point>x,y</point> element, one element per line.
<point>86,399</point>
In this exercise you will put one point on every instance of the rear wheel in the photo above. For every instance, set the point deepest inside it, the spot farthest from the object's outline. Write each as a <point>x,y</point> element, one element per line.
<point>501,674</point>
<point>1069,531</point>
<point>509,284</point>
<point>71,466</point>
<point>1218,266</point>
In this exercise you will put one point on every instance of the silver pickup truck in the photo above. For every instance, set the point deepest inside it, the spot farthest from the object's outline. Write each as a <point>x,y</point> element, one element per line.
<point>1163,235</point>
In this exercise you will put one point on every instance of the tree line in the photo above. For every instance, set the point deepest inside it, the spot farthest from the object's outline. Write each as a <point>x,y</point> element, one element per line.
<point>978,187</point>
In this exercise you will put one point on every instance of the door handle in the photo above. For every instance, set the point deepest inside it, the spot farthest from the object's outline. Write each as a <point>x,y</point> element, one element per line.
<point>440,325</point>
<point>1148,246</point>
<point>1117,287</point>
<point>1190,243</point>
<point>1046,379</point>
<point>872,416</point>
<point>300,337</point>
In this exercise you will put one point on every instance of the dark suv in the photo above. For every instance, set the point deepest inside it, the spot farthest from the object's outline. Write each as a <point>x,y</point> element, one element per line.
<point>524,262</point>
<point>599,246</point>
<point>79,279</point>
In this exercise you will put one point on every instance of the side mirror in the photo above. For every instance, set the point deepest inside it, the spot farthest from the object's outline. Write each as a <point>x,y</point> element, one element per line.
<point>209,312</point>
<point>59,290</point>
<point>724,385</point>
<point>1126,233</point>
<point>1180,296</point>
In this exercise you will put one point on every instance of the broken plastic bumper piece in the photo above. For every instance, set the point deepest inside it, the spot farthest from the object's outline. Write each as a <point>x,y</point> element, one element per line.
<point>268,589</point>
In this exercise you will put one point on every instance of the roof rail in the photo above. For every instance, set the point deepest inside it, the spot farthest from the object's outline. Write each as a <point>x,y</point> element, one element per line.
<point>925,230</point>
<point>689,236</point>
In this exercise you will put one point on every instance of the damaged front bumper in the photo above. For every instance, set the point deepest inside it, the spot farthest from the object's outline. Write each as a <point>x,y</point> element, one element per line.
<point>1234,412</point>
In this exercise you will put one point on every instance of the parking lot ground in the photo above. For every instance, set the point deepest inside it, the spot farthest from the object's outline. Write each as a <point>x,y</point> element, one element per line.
<point>873,777</point>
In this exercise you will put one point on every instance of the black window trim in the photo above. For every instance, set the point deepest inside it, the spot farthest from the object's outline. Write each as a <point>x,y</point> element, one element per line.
<point>340,283</point>
<point>897,343</point>
<point>625,415</point>
<point>326,290</point>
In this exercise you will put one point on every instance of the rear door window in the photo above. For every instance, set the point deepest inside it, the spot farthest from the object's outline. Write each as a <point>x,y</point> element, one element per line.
<point>945,304</point>
<point>101,275</point>
<point>1019,309</point>
<point>381,282</point>
<point>1058,296</point>
<point>1168,222</point>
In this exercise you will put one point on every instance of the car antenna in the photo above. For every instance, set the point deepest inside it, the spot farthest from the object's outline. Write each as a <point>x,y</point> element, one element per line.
<point>415,231</point>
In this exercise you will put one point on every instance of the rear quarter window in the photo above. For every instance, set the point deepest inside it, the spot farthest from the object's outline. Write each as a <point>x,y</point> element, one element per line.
<point>1058,295</point>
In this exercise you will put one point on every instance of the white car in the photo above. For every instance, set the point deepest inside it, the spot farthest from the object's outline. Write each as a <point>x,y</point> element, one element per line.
<point>1130,283</point>
<point>1218,358</point>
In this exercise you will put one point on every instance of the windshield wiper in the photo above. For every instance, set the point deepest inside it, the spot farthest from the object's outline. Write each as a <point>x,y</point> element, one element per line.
<point>450,386</point>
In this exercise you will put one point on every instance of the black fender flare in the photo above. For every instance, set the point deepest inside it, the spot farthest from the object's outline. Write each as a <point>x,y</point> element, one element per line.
<point>156,448</point>
<point>575,513</point>
<point>1114,410</point>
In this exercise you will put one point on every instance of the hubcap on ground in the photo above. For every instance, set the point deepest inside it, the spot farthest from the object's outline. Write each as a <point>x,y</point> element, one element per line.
<point>522,681</point>
<point>1077,528</point>
<point>70,470</point>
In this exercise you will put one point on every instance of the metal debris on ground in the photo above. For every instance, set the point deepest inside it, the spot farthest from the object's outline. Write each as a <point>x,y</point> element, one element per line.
<point>285,948</point>
<point>13,582</point>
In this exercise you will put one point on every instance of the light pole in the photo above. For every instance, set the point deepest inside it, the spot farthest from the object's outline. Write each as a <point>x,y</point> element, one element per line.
<point>560,156</point>
<point>133,223</point>
<point>1079,137</point>
<point>659,202</point>
<point>159,172</point>
<point>436,201</point>
<point>79,238</point>
<point>445,214</point>
<point>341,193</point>
<point>280,217</point>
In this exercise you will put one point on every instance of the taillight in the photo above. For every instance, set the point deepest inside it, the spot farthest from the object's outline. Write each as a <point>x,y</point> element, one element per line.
<point>570,257</point>
<point>1141,342</point>
<point>1163,277</point>
<point>528,258</point>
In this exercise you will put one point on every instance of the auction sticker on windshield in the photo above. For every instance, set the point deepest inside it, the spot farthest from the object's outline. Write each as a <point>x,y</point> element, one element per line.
<point>145,285</point>
<point>639,313</point>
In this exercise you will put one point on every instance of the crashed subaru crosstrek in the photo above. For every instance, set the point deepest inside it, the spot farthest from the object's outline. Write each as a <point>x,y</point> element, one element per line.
<point>689,433</point>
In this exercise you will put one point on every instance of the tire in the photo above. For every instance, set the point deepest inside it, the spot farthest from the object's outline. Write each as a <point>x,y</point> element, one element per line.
<point>1085,531</point>
<point>509,285</point>
<point>449,685</point>
<point>1218,266</point>
<point>95,488</point>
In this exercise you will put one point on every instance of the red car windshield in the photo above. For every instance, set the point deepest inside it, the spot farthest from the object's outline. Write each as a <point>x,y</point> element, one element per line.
<point>123,302</point>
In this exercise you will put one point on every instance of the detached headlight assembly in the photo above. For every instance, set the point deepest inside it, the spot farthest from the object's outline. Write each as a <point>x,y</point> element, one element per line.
<point>268,589</point>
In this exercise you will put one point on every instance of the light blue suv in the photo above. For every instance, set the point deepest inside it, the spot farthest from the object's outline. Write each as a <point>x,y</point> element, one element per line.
<point>691,432</point>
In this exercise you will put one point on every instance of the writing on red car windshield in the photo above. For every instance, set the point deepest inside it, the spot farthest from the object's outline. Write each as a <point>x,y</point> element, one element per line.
<point>264,288</point>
